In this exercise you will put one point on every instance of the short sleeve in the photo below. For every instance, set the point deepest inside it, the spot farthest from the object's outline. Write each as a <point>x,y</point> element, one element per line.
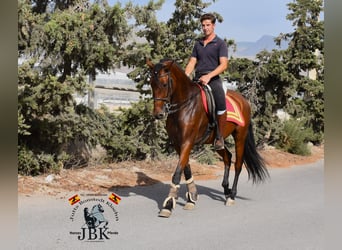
<point>194,50</point>
<point>223,52</point>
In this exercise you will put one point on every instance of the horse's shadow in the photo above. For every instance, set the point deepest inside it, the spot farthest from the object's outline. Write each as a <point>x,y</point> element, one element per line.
<point>158,191</point>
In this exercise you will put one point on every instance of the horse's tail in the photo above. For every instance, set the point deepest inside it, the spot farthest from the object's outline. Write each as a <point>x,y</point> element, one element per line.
<point>254,163</point>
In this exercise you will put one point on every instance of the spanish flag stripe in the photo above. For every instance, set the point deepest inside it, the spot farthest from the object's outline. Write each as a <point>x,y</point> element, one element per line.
<point>115,198</point>
<point>73,200</point>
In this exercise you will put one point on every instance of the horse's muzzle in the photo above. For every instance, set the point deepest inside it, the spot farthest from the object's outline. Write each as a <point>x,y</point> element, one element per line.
<point>159,115</point>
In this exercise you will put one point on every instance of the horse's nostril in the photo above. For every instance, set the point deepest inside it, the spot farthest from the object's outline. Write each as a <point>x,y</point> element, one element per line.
<point>159,116</point>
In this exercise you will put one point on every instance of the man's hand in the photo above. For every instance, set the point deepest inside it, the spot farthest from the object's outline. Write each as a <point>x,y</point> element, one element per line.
<point>205,79</point>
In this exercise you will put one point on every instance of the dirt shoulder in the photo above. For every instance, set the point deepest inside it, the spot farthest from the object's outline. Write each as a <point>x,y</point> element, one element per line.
<point>100,179</point>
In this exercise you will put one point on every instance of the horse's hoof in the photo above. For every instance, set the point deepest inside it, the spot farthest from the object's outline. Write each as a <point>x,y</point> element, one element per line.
<point>230,202</point>
<point>189,206</point>
<point>166,213</point>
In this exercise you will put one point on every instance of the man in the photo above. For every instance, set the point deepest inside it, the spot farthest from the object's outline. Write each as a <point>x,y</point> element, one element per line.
<point>209,58</point>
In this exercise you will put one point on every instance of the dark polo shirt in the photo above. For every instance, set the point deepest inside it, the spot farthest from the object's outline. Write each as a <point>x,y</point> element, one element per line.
<point>208,57</point>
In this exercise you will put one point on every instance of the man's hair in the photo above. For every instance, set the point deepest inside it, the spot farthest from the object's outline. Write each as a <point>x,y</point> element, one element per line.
<point>208,16</point>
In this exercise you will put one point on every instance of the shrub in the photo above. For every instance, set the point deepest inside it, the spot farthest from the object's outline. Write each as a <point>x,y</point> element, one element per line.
<point>134,134</point>
<point>205,154</point>
<point>30,163</point>
<point>294,137</point>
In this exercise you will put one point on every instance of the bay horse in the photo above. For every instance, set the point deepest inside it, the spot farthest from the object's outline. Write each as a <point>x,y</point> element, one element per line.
<point>178,97</point>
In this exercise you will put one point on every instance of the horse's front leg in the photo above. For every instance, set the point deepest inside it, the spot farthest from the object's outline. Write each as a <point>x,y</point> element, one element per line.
<point>191,194</point>
<point>170,201</point>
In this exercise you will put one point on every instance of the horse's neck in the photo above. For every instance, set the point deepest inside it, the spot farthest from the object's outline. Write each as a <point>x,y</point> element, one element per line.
<point>185,89</point>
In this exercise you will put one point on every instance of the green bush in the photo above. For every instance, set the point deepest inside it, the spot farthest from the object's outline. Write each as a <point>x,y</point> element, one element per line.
<point>205,154</point>
<point>135,134</point>
<point>30,163</point>
<point>294,137</point>
<point>65,140</point>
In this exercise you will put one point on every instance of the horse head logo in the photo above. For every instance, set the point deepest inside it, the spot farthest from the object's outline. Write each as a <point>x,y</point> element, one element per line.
<point>95,218</point>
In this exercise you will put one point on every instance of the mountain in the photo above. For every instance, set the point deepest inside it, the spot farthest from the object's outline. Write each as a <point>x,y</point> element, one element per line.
<point>250,49</point>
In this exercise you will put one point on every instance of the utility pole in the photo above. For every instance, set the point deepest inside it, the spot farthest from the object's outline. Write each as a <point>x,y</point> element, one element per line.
<point>91,91</point>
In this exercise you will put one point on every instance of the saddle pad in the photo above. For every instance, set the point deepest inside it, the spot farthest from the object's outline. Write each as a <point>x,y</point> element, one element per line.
<point>233,110</point>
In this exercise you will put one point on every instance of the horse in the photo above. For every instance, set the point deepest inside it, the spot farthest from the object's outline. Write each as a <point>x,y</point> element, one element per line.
<point>179,98</point>
<point>95,218</point>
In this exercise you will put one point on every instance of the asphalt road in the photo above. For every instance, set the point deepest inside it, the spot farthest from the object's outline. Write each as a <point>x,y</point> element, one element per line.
<point>283,213</point>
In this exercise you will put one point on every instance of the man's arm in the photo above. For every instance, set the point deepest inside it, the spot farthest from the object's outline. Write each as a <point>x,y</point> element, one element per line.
<point>221,68</point>
<point>190,66</point>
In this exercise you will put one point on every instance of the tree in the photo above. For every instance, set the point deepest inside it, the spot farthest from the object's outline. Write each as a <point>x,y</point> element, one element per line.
<point>279,80</point>
<point>173,39</point>
<point>60,43</point>
<point>305,61</point>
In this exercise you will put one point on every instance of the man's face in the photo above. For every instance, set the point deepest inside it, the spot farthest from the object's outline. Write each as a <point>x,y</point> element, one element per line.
<point>207,27</point>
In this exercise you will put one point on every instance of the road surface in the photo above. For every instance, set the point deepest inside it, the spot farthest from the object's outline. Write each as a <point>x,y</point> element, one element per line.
<point>286,212</point>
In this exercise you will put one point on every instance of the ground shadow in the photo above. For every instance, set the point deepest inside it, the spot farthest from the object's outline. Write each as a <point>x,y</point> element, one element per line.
<point>158,191</point>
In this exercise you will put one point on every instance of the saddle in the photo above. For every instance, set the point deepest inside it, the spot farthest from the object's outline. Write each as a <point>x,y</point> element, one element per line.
<point>207,98</point>
<point>209,106</point>
<point>208,102</point>
<point>233,111</point>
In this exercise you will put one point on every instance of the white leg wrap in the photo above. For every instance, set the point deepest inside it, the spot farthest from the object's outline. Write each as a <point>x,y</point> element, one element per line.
<point>174,185</point>
<point>173,201</point>
<point>189,196</point>
<point>192,194</point>
<point>190,180</point>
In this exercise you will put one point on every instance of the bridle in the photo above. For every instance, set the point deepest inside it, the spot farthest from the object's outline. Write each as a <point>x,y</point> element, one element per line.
<point>169,87</point>
<point>167,100</point>
<point>169,107</point>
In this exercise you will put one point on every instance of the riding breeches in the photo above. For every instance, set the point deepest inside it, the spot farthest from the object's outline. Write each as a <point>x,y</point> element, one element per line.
<point>218,93</point>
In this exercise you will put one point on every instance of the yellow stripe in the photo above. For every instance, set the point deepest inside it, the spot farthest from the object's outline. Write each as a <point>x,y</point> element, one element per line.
<point>116,199</point>
<point>74,199</point>
<point>236,115</point>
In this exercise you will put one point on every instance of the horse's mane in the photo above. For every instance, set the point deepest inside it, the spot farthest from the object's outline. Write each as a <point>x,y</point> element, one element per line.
<point>159,65</point>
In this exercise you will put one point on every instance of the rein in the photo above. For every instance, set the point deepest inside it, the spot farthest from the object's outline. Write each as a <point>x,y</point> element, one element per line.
<point>169,107</point>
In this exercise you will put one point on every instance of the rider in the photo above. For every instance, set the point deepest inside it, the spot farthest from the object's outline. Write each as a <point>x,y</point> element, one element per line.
<point>209,58</point>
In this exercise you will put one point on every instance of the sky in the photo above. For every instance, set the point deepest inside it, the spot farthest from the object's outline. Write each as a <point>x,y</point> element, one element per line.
<point>243,20</point>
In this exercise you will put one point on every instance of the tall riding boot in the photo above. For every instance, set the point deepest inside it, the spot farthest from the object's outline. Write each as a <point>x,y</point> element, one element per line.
<point>221,123</point>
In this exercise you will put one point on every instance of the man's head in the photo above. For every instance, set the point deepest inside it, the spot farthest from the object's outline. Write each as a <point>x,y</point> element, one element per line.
<point>208,24</point>
<point>208,16</point>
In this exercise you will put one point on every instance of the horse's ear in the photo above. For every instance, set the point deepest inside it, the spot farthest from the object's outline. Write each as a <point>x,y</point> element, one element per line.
<point>149,62</point>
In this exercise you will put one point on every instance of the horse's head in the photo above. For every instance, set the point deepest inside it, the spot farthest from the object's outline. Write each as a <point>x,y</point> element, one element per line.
<point>161,83</point>
<point>97,208</point>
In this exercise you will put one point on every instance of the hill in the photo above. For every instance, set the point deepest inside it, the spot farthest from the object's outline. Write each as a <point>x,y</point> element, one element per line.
<point>250,49</point>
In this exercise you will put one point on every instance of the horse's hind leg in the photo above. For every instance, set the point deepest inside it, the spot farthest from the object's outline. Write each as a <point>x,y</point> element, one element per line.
<point>191,194</point>
<point>227,159</point>
<point>240,138</point>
